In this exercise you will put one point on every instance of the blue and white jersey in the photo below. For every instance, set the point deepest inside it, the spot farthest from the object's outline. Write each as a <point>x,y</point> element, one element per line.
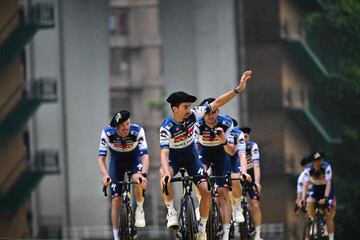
<point>300,182</point>
<point>252,154</point>
<point>318,177</point>
<point>133,144</point>
<point>238,139</point>
<point>180,136</point>
<point>208,143</point>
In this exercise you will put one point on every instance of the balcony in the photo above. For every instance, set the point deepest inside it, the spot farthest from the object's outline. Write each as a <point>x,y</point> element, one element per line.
<point>313,61</point>
<point>37,92</point>
<point>39,16</point>
<point>43,162</point>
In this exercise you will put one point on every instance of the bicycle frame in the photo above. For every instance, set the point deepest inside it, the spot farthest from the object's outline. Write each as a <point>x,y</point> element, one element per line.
<point>315,228</point>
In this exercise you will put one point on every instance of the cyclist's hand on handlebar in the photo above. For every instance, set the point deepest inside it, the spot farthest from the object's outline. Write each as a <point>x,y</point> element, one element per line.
<point>106,181</point>
<point>166,176</point>
<point>143,181</point>
<point>246,176</point>
<point>322,201</point>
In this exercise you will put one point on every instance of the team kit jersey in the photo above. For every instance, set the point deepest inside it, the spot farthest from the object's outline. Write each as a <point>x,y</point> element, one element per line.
<point>179,138</point>
<point>300,182</point>
<point>125,153</point>
<point>210,150</point>
<point>318,179</point>
<point>237,138</point>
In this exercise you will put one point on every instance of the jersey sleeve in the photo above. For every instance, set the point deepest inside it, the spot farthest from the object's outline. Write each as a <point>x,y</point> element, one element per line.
<point>255,153</point>
<point>142,142</point>
<point>228,130</point>
<point>241,144</point>
<point>164,138</point>
<point>306,175</point>
<point>200,111</point>
<point>300,183</point>
<point>104,144</point>
<point>328,173</point>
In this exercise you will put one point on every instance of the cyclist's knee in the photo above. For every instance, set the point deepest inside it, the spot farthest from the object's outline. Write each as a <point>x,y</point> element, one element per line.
<point>203,189</point>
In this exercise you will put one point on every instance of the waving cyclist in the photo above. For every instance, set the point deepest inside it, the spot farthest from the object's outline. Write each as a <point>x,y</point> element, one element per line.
<point>127,145</point>
<point>213,134</point>
<point>177,136</point>
<point>319,173</point>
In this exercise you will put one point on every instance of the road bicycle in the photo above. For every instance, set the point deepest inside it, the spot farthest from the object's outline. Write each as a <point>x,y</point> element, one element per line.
<point>188,226</point>
<point>128,230</point>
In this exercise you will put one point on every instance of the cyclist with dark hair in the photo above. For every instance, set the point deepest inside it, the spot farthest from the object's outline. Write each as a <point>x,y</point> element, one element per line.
<point>319,174</point>
<point>127,145</point>
<point>253,168</point>
<point>177,135</point>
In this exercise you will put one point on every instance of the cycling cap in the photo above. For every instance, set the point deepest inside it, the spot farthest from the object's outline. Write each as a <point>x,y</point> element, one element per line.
<point>119,118</point>
<point>316,155</point>
<point>180,97</point>
<point>246,130</point>
<point>207,101</point>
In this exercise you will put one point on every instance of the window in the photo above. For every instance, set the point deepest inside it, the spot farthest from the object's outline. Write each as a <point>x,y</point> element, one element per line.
<point>119,22</point>
<point>120,62</point>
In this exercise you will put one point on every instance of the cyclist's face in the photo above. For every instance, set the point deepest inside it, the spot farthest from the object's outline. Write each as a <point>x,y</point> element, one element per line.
<point>183,111</point>
<point>247,137</point>
<point>124,128</point>
<point>211,118</point>
<point>317,163</point>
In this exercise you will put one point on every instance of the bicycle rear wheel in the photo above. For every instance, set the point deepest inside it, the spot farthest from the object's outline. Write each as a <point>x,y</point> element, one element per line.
<point>245,227</point>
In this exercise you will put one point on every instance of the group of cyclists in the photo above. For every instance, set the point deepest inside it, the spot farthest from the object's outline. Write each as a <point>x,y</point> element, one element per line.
<point>203,142</point>
<point>198,139</point>
<point>315,189</point>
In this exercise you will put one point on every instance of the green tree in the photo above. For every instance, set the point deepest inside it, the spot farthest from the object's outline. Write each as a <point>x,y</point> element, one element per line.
<point>337,32</point>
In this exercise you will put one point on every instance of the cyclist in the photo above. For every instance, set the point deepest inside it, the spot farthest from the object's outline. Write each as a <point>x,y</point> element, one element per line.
<point>319,174</point>
<point>177,136</point>
<point>213,133</point>
<point>253,168</point>
<point>127,145</point>
<point>299,185</point>
<point>238,142</point>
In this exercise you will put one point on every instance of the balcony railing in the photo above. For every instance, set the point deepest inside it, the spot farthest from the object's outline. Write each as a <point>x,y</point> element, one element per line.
<point>35,93</point>
<point>12,197</point>
<point>39,16</point>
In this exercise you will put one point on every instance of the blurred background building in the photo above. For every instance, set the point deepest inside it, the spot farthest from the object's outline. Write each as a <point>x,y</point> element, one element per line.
<point>67,66</point>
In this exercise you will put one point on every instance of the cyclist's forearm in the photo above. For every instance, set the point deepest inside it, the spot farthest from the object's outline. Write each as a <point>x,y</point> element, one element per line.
<point>257,172</point>
<point>229,149</point>
<point>327,189</point>
<point>164,160</point>
<point>102,166</point>
<point>145,162</point>
<point>243,162</point>
<point>222,100</point>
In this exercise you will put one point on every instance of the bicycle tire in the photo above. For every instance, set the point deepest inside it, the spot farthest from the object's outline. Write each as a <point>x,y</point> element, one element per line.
<point>127,228</point>
<point>245,228</point>
<point>212,225</point>
<point>188,219</point>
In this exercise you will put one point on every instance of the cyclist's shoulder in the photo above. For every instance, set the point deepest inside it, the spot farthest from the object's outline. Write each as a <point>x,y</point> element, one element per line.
<point>236,131</point>
<point>108,130</point>
<point>135,127</point>
<point>225,120</point>
<point>167,123</point>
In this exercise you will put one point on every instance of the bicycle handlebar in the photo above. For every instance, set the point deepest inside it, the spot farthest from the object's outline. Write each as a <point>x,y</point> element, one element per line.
<point>122,183</point>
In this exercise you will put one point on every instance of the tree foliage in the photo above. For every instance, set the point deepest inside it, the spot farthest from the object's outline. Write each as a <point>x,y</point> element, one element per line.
<point>337,30</point>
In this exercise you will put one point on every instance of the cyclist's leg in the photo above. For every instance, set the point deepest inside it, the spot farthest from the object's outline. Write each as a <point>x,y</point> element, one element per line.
<point>172,219</point>
<point>194,167</point>
<point>116,171</point>
<point>236,190</point>
<point>255,209</point>
<point>330,214</point>
<point>139,193</point>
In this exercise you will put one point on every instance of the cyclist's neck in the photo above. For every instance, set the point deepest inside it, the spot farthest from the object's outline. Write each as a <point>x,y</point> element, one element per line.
<point>212,125</point>
<point>177,119</point>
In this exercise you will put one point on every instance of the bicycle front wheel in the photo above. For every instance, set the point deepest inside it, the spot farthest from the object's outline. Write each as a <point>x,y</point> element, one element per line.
<point>127,224</point>
<point>188,221</point>
<point>212,225</point>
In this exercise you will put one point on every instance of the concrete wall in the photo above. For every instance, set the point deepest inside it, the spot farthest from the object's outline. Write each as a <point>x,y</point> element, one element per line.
<point>76,52</point>
<point>199,49</point>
